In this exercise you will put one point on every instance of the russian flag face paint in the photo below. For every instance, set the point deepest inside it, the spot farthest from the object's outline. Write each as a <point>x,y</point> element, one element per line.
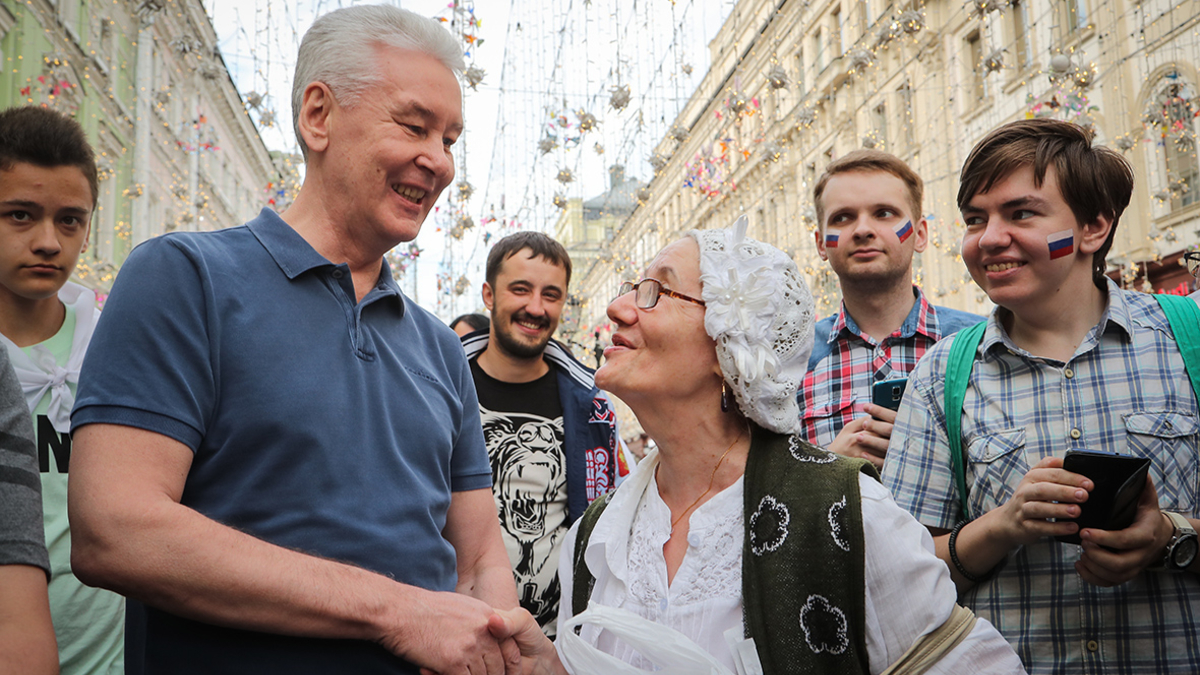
<point>831,240</point>
<point>1061,244</point>
<point>904,230</point>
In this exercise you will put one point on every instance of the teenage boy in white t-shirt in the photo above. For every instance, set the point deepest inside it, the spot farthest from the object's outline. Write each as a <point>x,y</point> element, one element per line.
<point>48,186</point>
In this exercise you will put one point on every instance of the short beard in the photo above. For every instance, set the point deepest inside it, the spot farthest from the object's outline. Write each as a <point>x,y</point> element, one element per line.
<point>515,348</point>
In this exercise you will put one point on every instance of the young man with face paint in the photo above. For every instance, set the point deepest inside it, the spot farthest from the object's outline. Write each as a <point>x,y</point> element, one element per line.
<point>870,225</point>
<point>1068,361</point>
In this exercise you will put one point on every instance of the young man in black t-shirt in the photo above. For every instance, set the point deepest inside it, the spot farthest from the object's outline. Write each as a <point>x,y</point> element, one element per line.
<point>551,435</point>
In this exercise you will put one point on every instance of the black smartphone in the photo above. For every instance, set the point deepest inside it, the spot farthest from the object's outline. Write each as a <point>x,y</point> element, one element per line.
<point>1119,479</point>
<point>888,393</point>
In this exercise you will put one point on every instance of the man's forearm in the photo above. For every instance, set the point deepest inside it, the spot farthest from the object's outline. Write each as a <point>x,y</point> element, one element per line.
<point>492,584</point>
<point>977,547</point>
<point>27,643</point>
<point>484,570</point>
<point>129,533</point>
<point>178,560</point>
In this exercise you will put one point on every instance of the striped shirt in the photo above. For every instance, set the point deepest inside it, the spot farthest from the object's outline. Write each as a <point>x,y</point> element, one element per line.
<point>1124,390</point>
<point>846,362</point>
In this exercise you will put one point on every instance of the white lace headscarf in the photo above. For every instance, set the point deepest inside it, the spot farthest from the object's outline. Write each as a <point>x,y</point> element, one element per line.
<point>761,315</point>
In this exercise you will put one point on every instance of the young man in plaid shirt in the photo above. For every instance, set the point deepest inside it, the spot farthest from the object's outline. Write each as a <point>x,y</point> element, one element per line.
<point>869,225</point>
<point>1067,361</point>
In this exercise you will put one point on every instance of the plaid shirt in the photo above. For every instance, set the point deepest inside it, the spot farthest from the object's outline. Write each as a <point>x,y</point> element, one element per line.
<point>1124,390</point>
<point>846,362</point>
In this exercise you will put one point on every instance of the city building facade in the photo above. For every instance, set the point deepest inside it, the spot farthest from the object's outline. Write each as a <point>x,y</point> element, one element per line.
<point>795,84</point>
<point>175,145</point>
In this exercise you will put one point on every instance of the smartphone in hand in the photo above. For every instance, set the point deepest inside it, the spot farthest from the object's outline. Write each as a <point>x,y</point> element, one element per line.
<point>887,394</point>
<point>1119,480</point>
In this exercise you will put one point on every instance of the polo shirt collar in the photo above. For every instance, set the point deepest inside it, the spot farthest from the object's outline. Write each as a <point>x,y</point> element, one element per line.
<point>295,256</point>
<point>291,252</point>
<point>1116,317</point>
<point>922,318</point>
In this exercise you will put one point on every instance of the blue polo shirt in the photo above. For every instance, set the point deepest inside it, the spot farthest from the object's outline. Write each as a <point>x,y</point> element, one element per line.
<point>318,423</point>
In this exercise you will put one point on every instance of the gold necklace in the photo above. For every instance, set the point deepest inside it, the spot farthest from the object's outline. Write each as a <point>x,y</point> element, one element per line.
<point>711,479</point>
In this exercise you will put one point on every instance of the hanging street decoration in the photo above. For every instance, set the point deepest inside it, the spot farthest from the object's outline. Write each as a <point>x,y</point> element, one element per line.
<point>777,76</point>
<point>587,121</point>
<point>979,8</point>
<point>994,62</point>
<point>911,21</point>
<point>771,151</point>
<point>619,97</point>
<point>474,76</point>
<point>186,44</point>
<point>738,102</point>
<point>859,59</point>
<point>708,172</point>
<point>402,256</point>
<point>565,176</point>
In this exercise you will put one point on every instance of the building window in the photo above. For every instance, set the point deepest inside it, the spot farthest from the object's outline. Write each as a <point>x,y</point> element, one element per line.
<point>907,115</point>
<point>1172,113</point>
<point>879,126</point>
<point>799,73</point>
<point>972,72</point>
<point>838,27</point>
<point>1072,16</point>
<point>818,48</point>
<point>1019,16</point>
<point>68,16</point>
<point>864,15</point>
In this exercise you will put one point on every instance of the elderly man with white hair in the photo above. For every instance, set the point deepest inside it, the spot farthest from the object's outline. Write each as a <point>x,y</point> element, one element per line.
<point>278,456</point>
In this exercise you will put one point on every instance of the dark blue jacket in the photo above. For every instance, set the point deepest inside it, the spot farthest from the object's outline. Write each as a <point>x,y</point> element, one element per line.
<point>590,439</point>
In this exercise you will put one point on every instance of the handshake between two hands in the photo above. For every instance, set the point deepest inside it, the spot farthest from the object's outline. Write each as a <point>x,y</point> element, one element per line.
<point>523,649</point>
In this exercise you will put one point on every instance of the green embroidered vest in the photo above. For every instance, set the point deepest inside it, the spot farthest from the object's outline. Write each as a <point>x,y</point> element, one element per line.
<point>803,574</point>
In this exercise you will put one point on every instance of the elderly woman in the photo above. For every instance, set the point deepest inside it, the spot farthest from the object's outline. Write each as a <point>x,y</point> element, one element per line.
<point>767,553</point>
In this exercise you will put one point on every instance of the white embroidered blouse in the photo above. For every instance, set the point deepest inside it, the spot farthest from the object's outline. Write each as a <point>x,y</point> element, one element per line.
<point>909,591</point>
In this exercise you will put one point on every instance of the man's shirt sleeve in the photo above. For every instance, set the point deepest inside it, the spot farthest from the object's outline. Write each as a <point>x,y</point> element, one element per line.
<point>470,468</point>
<point>917,468</point>
<point>22,539</point>
<point>150,362</point>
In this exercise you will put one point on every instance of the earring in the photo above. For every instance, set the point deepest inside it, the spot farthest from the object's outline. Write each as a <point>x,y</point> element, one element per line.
<point>724,397</point>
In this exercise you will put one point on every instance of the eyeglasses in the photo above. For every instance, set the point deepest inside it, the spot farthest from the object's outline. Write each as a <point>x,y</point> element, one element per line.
<point>648,291</point>
<point>1192,258</point>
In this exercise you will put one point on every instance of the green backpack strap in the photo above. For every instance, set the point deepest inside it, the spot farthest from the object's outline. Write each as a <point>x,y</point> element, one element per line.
<point>582,580</point>
<point>1184,316</point>
<point>958,377</point>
